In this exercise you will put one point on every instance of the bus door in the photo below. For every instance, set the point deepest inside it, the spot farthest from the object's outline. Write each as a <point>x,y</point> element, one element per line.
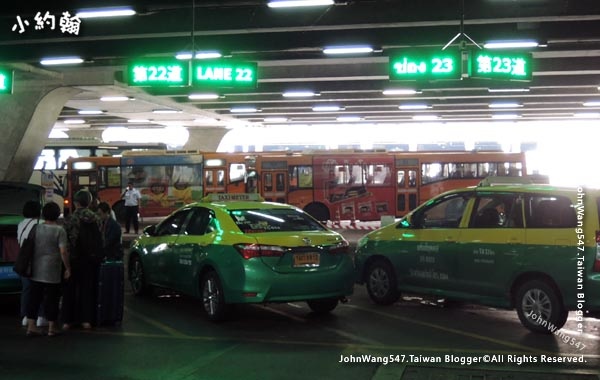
<point>214,180</point>
<point>274,186</point>
<point>407,196</point>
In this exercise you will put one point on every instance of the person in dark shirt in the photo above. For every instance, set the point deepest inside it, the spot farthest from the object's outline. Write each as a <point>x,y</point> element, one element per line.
<point>111,230</point>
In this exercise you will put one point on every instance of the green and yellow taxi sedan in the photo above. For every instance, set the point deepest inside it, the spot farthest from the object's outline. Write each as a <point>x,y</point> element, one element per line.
<point>535,248</point>
<point>243,251</point>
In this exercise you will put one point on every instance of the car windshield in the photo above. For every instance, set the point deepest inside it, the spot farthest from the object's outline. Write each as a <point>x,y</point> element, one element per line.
<point>274,220</point>
<point>12,198</point>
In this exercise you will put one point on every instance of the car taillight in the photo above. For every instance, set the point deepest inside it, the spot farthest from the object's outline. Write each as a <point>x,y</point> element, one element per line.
<point>249,251</point>
<point>341,248</point>
<point>597,261</point>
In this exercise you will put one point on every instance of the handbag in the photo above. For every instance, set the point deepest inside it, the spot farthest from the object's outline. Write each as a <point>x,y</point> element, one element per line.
<point>24,263</point>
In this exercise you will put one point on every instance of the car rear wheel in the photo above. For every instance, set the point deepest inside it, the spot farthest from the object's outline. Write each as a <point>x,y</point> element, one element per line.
<point>323,305</point>
<point>540,308</point>
<point>381,283</point>
<point>137,277</point>
<point>213,300</point>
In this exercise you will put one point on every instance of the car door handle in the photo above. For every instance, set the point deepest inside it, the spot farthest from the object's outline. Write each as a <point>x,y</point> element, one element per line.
<point>513,241</point>
<point>450,239</point>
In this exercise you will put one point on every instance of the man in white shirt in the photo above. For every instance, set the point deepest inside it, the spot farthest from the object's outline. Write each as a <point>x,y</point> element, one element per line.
<point>132,198</point>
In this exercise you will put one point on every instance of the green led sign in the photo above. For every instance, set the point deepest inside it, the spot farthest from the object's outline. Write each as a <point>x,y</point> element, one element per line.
<point>158,73</point>
<point>425,64</point>
<point>6,81</point>
<point>500,65</point>
<point>215,74</point>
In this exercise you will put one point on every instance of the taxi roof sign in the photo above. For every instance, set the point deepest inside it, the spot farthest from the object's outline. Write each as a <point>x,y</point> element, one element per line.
<point>505,181</point>
<point>224,197</point>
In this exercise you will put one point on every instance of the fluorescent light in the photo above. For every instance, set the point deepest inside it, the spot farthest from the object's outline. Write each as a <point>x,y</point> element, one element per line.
<point>208,54</point>
<point>349,119</point>
<point>298,3</point>
<point>508,90</point>
<point>205,120</point>
<point>505,116</point>
<point>165,111</point>
<point>504,105</point>
<point>90,112</point>
<point>243,110</point>
<point>298,94</point>
<point>275,119</point>
<point>413,106</point>
<point>183,56</point>
<point>138,121</point>
<point>61,61</point>
<point>105,12</point>
<point>114,98</point>
<point>347,50</point>
<point>203,96</point>
<point>326,108</point>
<point>399,91</point>
<point>74,121</point>
<point>510,44</point>
<point>592,104</point>
<point>587,115</point>
<point>425,117</point>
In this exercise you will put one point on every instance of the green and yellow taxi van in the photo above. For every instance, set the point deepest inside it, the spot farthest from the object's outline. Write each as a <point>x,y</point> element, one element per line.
<point>534,248</point>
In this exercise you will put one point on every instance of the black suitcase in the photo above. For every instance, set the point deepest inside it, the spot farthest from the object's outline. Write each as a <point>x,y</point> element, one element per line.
<point>110,293</point>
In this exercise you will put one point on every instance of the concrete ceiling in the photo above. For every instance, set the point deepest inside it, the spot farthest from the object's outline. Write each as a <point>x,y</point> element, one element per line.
<point>287,45</point>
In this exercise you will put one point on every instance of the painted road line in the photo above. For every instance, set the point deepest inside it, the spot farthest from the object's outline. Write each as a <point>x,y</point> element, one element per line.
<point>458,332</point>
<point>161,326</point>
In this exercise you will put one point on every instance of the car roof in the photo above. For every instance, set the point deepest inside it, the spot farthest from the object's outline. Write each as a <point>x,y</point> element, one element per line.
<point>529,188</point>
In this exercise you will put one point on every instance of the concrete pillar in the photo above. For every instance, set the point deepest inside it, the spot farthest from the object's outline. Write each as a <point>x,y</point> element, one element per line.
<point>28,116</point>
<point>205,139</point>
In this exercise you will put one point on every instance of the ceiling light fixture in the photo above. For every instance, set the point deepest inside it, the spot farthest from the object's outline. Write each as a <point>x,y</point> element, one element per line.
<point>298,94</point>
<point>492,90</point>
<point>510,44</point>
<point>138,121</point>
<point>399,91</point>
<point>74,121</point>
<point>105,12</point>
<point>586,115</point>
<point>298,3</point>
<point>425,117</point>
<point>61,61</point>
<point>413,106</point>
<point>592,104</point>
<point>336,50</point>
<point>504,105</point>
<point>326,108</point>
<point>114,98</point>
<point>203,96</point>
<point>184,56</point>
<point>208,54</point>
<point>90,112</point>
<point>205,120</point>
<point>243,110</point>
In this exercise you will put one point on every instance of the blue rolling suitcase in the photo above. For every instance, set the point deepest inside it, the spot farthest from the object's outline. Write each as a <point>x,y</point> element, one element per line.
<point>110,293</point>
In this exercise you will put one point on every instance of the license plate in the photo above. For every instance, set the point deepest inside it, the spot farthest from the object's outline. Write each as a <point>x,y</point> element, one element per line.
<point>307,259</point>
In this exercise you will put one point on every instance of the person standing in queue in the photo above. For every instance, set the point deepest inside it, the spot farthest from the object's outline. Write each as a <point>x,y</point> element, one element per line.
<point>49,260</point>
<point>86,253</point>
<point>132,197</point>
<point>111,231</point>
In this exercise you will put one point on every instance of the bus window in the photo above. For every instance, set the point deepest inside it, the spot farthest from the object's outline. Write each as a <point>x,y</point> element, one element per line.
<point>113,174</point>
<point>237,172</point>
<point>268,182</point>
<point>305,176</point>
<point>432,172</point>
<point>279,183</point>
<point>412,178</point>
<point>293,174</point>
<point>208,176</point>
<point>220,177</point>
<point>401,179</point>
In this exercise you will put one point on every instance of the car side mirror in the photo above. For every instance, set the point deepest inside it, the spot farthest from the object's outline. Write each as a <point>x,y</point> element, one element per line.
<point>150,230</point>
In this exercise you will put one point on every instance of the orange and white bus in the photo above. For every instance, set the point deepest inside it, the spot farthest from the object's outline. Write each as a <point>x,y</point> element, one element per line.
<point>330,185</point>
<point>337,185</point>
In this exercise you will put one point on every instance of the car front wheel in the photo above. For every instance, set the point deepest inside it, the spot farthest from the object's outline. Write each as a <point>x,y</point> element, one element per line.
<point>322,306</point>
<point>540,308</point>
<point>381,283</point>
<point>213,300</point>
<point>137,277</point>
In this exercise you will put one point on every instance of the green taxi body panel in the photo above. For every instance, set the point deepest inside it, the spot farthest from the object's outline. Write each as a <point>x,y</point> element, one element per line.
<point>179,261</point>
<point>483,264</point>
